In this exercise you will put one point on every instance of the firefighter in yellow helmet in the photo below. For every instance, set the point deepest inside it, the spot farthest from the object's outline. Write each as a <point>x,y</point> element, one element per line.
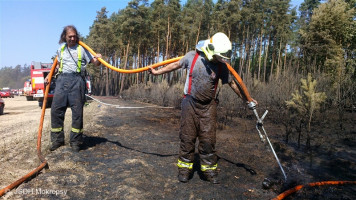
<point>205,67</point>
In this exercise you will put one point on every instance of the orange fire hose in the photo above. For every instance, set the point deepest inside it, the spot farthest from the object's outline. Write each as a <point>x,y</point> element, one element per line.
<point>298,187</point>
<point>39,153</point>
<point>234,73</point>
<point>242,86</point>
<point>131,70</point>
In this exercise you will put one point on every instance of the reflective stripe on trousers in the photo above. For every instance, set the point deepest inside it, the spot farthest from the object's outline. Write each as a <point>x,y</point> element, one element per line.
<point>56,130</point>
<point>182,164</point>
<point>208,167</point>
<point>75,130</point>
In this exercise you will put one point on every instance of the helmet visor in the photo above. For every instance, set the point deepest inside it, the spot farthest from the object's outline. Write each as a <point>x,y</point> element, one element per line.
<point>226,55</point>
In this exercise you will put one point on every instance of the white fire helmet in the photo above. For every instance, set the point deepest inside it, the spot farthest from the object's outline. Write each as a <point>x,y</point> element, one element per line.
<point>218,45</point>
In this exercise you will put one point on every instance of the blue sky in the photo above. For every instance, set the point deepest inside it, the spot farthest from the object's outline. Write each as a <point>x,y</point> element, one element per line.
<point>30,29</point>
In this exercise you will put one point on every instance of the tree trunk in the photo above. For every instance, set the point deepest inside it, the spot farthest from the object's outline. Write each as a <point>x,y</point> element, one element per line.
<point>158,47</point>
<point>285,60</point>
<point>102,86</point>
<point>167,39</point>
<point>107,81</point>
<point>114,76</point>
<point>251,57</point>
<point>197,39</point>
<point>260,55</point>
<point>242,52</point>
<point>167,44</point>
<point>126,54</point>
<point>298,61</point>
<point>299,130</point>
<point>314,64</point>
<point>272,65</point>
<point>278,61</point>
<point>247,50</point>
<point>266,58</point>
<point>308,141</point>
<point>138,64</point>
<point>119,74</point>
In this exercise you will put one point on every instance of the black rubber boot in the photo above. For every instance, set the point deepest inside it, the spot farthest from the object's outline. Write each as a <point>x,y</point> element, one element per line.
<point>76,141</point>
<point>57,139</point>
<point>211,176</point>
<point>184,175</point>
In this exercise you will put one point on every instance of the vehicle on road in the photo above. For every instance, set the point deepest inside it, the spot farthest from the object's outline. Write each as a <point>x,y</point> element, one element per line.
<point>15,92</point>
<point>2,106</point>
<point>21,92</point>
<point>6,93</point>
<point>27,90</point>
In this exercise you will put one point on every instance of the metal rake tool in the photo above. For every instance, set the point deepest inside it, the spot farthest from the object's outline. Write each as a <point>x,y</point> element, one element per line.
<point>263,138</point>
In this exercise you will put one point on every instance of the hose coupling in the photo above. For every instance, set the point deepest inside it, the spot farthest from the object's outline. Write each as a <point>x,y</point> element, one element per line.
<point>251,105</point>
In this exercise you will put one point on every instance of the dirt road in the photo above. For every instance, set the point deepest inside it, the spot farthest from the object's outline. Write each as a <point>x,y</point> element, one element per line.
<point>131,153</point>
<point>18,135</point>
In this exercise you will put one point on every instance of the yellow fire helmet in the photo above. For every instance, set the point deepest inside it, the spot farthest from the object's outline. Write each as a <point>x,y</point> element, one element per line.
<point>218,45</point>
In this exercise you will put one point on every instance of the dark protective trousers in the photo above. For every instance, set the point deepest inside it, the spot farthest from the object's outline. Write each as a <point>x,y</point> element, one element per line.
<point>198,120</point>
<point>69,92</point>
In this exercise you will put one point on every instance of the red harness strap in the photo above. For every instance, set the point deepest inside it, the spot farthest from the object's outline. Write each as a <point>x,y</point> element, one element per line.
<point>191,72</point>
<point>217,75</point>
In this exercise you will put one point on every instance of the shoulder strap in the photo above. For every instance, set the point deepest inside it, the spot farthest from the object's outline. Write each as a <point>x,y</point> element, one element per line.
<point>61,60</point>
<point>79,62</point>
<point>191,72</point>
<point>218,75</point>
<point>217,79</point>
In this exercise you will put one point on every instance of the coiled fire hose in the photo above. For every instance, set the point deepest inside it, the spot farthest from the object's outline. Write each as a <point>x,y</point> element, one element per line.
<point>44,161</point>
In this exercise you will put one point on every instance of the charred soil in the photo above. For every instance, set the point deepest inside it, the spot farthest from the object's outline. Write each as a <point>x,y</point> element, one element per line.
<point>131,153</point>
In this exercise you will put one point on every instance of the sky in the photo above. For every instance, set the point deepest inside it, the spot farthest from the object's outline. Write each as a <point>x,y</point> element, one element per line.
<point>30,29</point>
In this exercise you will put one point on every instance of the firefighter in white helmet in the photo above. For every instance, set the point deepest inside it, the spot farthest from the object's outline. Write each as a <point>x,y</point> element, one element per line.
<point>205,66</point>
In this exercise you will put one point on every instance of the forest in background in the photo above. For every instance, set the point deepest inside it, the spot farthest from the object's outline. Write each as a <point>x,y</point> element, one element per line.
<point>14,77</point>
<point>298,61</point>
<point>269,38</point>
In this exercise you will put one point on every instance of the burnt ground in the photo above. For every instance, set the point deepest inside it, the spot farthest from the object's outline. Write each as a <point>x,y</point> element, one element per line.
<point>131,153</point>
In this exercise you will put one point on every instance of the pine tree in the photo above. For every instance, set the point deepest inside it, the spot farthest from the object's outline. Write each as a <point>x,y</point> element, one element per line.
<point>306,103</point>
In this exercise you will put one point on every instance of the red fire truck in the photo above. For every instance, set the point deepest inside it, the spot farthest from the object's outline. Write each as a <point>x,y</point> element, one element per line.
<point>39,71</point>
